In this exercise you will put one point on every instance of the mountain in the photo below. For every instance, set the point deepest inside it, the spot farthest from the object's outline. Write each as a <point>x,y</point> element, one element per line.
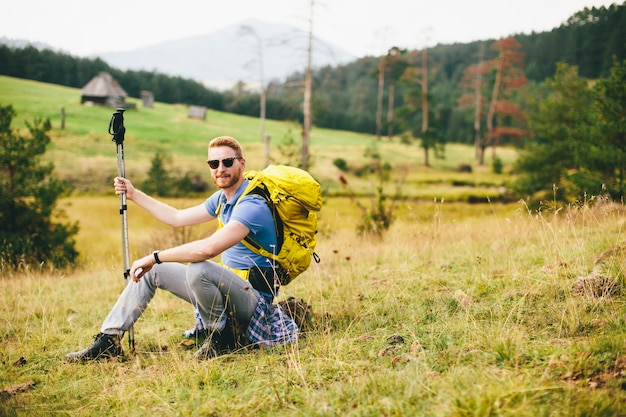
<point>23,43</point>
<point>222,58</point>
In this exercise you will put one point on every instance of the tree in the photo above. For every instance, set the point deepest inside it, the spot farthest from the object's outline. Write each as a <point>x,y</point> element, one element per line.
<point>416,104</point>
<point>246,29</point>
<point>578,146</point>
<point>473,80</point>
<point>425,132</point>
<point>562,130</point>
<point>159,181</point>
<point>606,156</point>
<point>509,76</point>
<point>28,197</point>
<point>308,87</point>
<point>379,97</point>
<point>395,65</point>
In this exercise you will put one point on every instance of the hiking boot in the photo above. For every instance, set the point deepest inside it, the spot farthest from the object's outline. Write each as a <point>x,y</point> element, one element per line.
<point>104,346</point>
<point>209,349</point>
<point>216,343</point>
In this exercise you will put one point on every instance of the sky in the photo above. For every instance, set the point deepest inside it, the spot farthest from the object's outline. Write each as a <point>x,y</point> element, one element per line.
<point>362,27</point>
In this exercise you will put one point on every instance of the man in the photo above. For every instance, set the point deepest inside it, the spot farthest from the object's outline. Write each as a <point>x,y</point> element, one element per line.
<point>212,288</point>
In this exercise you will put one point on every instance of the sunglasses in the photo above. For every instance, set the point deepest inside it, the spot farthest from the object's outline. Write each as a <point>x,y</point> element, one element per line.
<point>228,162</point>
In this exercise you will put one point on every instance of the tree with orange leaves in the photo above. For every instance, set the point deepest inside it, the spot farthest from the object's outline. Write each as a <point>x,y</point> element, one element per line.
<point>509,77</point>
<point>504,117</point>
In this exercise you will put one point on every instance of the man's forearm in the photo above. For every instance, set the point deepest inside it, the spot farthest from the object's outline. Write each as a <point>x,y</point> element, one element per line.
<point>159,210</point>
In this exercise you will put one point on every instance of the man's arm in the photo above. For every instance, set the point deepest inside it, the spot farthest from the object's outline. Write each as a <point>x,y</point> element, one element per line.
<point>159,210</point>
<point>199,250</point>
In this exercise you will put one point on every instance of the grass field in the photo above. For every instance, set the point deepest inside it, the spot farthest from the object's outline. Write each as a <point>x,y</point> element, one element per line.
<point>459,310</point>
<point>84,153</point>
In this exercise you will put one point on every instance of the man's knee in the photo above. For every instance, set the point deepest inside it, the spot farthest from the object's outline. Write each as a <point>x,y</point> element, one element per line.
<point>166,276</point>
<point>195,271</point>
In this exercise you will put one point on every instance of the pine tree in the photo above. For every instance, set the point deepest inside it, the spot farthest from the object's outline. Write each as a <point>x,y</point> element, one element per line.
<point>28,197</point>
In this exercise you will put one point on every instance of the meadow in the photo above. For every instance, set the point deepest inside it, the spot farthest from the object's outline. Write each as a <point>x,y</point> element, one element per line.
<point>84,153</point>
<point>458,310</point>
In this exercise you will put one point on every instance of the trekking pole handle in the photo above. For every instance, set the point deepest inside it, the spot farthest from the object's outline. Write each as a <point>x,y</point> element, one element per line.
<point>116,126</point>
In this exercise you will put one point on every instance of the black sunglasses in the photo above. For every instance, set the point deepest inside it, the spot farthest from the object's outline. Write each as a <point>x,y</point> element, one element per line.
<point>228,162</point>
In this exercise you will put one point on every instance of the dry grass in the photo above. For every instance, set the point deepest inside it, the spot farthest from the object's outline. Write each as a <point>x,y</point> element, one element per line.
<point>460,310</point>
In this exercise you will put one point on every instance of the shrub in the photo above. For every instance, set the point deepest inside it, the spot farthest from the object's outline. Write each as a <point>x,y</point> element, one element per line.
<point>28,196</point>
<point>497,165</point>
<point>341,164</point>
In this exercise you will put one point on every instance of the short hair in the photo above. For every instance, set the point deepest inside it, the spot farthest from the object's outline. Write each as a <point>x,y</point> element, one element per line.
<point>229,142</point>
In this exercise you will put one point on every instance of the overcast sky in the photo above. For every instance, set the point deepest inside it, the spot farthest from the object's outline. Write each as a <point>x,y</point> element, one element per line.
<point>362,27</point>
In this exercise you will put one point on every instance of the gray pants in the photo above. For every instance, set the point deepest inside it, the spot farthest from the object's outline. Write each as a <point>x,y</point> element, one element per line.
<point>206,285</point>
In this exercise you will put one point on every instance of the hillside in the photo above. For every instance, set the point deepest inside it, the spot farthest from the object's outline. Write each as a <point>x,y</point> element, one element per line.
<point>345,96</point>
<point>84,153</point>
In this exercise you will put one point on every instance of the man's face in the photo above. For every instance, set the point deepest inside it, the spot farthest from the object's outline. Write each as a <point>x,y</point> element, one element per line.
<point>222,175</point>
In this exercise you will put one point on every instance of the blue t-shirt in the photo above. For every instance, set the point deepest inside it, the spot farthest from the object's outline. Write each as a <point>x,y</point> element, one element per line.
<point>253,212</point>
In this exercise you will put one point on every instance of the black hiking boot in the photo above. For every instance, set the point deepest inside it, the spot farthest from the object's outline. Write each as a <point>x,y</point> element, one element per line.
<point>217,343</point>
<point>104,346</point>
<point>209,349</point>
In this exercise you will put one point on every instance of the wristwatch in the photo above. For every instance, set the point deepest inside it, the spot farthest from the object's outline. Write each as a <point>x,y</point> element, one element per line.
<point>156,257</point>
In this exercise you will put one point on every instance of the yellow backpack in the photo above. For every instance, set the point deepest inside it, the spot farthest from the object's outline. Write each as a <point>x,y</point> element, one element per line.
<point>295,198</point>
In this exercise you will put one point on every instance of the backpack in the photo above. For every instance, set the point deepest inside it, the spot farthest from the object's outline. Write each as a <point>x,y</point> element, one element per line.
<point>294,197</point>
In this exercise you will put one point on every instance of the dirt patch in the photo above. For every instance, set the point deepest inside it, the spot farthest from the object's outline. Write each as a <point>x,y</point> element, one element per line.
<point>602,378</point>
<point>8,392</point>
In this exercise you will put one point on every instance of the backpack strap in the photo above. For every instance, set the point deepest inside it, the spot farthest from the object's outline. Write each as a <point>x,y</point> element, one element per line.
<point>248,242</point>
<point>262,191</point>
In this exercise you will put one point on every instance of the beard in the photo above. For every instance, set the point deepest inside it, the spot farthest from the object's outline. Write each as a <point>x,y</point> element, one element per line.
<point>227,179</point>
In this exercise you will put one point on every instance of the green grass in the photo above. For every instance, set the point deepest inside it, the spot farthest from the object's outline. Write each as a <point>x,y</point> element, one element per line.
<point>460,310</point>
<point>84,153</point>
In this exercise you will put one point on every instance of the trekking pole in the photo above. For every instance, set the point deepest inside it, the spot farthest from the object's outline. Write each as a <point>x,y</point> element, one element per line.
<point>117,129</point>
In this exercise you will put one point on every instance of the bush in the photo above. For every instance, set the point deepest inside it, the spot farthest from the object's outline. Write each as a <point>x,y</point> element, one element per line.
<point>159,181</point>
<point>341,164</point>
<point>377,219</point>
<point>497,165</point>
<point>464,168</point>
<point>28,196</point>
